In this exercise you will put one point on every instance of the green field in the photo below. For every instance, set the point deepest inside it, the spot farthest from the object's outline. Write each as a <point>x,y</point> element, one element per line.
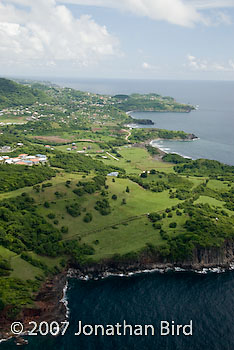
<point>21,268</point>
<point>213,202</point>
<point>135,160</point>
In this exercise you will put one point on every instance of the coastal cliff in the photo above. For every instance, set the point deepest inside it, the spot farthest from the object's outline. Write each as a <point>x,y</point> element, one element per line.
<point>211,257</point>
<point>48,306</point>
<point>48,302</point>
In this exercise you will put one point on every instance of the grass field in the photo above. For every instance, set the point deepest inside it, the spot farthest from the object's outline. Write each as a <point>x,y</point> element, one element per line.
<point>21,268</point>
<point>218,185</point>
<point>213,202</point>
<point>135,160</point>
<point>13,119</point>
<point>132,229</point>
<point>127,228</point>
<point>92,147</point>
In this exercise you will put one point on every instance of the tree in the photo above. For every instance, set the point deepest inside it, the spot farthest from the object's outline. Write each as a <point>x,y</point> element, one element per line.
<point>144,175</point>
<point>127,189</point>
<point>114,197</point>
<point>124,201</point>
<point>64,229</point>
<point>88,217</point>
<point>36,188</point>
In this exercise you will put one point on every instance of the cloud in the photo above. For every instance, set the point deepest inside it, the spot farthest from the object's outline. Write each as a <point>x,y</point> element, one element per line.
<point>181,12</point>
<point>173,11</point>
<point>204,65</point>
<point>212,4</point>
<point>149,67</point>
<point>44,33</point>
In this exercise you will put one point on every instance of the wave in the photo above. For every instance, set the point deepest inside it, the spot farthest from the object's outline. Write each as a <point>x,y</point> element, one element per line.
<point>64,299</point>
<point>204,271</point>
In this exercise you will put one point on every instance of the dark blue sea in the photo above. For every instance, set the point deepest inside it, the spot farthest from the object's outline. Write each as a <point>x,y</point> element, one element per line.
<point>207,300</point>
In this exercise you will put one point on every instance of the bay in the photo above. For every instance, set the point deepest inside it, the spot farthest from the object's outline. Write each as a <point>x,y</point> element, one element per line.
<point>212,123</point>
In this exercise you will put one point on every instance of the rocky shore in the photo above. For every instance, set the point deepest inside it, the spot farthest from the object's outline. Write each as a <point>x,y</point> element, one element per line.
<point>49,306</point>
<point>50,302</point>
<point>203,260</point>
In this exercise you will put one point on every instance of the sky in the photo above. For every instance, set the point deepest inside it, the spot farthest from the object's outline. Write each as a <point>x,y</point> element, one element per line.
<point>133,39</point>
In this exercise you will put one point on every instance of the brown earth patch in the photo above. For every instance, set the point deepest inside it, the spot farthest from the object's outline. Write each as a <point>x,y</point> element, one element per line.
<point>56,139</point>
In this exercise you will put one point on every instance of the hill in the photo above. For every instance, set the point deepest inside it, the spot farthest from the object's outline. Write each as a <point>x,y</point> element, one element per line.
<point>14,94</point>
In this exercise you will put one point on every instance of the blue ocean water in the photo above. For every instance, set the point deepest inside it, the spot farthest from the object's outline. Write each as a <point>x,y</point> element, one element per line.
<point>207,300</point>
<point>213,122</point>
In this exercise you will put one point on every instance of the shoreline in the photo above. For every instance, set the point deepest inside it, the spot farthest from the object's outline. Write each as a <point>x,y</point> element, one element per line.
<point>50,304</point>
<point>99,272</point>
<point>162,269</point>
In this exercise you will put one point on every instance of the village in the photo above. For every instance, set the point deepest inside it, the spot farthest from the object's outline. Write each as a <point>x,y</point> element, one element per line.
<point>25,159</point>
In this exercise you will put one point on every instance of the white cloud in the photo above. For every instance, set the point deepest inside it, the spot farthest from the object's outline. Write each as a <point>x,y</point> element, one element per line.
<point>173,11</point>
<point>149,67</point>
<point>180,12</point>
<point>146,65</point>
<point>204,65</point>
<point>212,4</point>
<point>46,33</point>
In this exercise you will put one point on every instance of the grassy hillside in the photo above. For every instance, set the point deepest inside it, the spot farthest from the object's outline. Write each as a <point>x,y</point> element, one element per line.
<point>71,212</point>
<point>13,94</point>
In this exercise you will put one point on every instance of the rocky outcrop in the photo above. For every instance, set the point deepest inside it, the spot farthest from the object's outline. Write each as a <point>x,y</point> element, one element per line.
<point>202,258</point>
<point>212,256</point>
<point>47,307</point>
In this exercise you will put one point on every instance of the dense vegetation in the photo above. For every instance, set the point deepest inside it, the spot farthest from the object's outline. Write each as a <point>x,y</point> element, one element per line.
<point>205,167</point>
<point>15,176</point>
<point>175,158</point>
<point>140,135</point>
<point>150,102</point>
<point>13,94</point>
<point>80,163</point>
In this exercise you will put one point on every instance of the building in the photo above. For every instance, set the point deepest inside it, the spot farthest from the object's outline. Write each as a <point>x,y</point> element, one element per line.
<point>114,173</point>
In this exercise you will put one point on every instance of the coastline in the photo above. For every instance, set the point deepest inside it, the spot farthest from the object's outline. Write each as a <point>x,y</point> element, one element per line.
<point>52,299</point>
<point>154,268</point>
<point>50,304</point>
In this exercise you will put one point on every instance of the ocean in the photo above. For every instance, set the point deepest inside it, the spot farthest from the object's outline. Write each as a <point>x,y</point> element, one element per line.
<point>206,299</point>
<point>148,299</point>
<point>212,122</point>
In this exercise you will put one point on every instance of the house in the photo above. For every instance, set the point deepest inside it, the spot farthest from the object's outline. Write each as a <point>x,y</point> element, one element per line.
<point>5,149</point>
<point>23,155</point>
<point>114,173</point>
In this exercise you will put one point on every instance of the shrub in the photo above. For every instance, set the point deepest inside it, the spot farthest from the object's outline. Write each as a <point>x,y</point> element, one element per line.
<point>64,229</point>
<point>51,216</point>
<point>154,217</point>
<point>157,226</point>
<point>173,225</point>
<point>88,217</point>
<point>73,209</point>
